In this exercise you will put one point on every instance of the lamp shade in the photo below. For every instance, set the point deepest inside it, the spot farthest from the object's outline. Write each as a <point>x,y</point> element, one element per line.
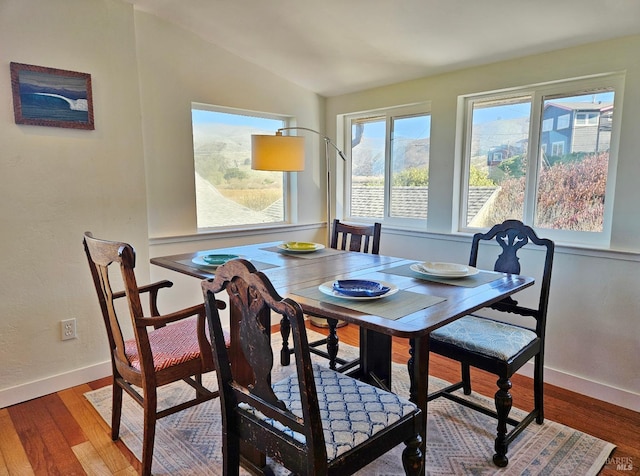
<point>279,153</point>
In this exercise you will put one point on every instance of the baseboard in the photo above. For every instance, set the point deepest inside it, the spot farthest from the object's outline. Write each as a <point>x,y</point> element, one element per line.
<point>29,391</point>
<point>599,391</point>
<point>39,388</point>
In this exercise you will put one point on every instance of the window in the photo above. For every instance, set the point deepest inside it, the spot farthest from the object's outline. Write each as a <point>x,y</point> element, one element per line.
<point>563,193</point>
<point>564,121</point>
<point>389,164</point>
<point>587,119</point>
<point>557,149</point>
<point>228,192</point>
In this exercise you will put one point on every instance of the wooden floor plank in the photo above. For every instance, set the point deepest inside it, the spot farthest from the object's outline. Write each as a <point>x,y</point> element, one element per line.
<point>72,432</point>
<point>91,460</point>
<point>14,457</point>
<point>94,428</point>
<point>44,443</point>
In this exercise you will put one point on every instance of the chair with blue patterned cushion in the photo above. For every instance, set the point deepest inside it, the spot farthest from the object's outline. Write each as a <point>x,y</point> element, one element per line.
<point>165,348</point>
<point>499,347</point>
<point>316,421</point>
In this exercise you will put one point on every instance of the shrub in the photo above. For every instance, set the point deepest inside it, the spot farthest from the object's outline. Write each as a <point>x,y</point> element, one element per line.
<point>571,194</point>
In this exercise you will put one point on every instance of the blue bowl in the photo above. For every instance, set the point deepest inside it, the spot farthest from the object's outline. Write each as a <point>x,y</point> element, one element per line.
<point>360,288</point>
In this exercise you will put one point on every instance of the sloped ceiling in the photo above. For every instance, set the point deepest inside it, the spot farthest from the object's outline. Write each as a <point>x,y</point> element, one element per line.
<point>335,47</point>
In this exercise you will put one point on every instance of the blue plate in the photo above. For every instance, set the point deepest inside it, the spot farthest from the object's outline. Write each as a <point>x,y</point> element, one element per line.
<point>360,288</point>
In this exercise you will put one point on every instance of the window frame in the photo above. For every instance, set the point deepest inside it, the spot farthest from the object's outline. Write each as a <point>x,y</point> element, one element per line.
<point>389,115</point>
<point>289,179</point>
<point>539,94</point>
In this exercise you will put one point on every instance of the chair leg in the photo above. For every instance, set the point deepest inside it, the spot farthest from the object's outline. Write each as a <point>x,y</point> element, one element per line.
<point>466,379</point>
<point>538,389</point>
<point>285,330</point>
<point>412,457</point>
<point>149,431</point>
<point>332,342</point>
<point>230,455</point>
<point>116,410</point>
<point>503,402</point>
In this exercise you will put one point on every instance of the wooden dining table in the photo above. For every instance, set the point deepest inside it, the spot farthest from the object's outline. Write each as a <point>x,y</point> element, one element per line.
<point>417,304</point>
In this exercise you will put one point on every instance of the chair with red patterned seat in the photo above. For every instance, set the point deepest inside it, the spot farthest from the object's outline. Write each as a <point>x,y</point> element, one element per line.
<point>165,348</point>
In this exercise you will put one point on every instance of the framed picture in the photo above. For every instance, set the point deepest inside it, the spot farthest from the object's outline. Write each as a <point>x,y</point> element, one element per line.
<point>51,97</point>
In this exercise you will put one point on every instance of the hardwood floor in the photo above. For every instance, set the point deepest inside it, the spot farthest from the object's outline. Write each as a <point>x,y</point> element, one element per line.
<point>61,433</point>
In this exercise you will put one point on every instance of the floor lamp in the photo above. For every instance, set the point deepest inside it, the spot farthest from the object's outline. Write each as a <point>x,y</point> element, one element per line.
<point>286,153</point>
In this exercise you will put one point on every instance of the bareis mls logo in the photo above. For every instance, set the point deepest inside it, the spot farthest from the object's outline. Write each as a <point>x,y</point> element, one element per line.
<point>622,463</point>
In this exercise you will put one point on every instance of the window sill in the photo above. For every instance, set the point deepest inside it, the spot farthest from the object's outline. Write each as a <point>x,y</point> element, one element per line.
<point>235,232</point>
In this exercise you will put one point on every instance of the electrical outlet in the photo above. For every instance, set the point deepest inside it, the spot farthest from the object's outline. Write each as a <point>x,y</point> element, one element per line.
<point>68,329</point>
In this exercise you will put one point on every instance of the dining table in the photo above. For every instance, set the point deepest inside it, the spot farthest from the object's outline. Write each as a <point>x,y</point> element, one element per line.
<point>417,302</point>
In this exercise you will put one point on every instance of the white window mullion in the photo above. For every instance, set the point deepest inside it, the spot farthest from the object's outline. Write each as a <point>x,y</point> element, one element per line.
<point>534,159</point>
<point>388,150</point>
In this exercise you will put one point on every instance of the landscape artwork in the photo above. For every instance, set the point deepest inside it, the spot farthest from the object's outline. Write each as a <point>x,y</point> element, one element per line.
<point>51,97</point>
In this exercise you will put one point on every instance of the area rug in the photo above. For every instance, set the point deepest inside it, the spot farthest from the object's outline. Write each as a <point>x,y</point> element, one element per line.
<point>459,440</point>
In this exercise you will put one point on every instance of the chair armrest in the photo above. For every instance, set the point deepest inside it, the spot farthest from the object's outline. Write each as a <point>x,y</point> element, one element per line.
<point>159,321</point>
<point>154,287</point>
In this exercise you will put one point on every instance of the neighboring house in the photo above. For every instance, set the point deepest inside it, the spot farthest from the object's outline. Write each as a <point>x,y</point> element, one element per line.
<point>569,127</point>
<point>497,154</point>
<point>411,202</point>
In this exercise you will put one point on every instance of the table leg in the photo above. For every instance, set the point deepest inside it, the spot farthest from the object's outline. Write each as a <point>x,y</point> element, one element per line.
<point>418,367</point>
<point>375,358</point>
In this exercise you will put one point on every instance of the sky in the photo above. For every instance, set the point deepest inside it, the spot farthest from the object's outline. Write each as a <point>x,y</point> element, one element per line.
<point>199,116</point>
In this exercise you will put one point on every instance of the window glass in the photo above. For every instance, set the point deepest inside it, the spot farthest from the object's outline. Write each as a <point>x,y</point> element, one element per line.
<point>560,182</point>
<point>390,164</point>
<point>368,167</point>
<point>228,192</point>
<point>573,180</point>
<point>410,166</point>
<point>497,152</point>
<point>564,121</point>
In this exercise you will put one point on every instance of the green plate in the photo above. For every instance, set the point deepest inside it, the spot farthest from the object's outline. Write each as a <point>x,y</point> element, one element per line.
<point>218,260</point>
<point>300,246</point>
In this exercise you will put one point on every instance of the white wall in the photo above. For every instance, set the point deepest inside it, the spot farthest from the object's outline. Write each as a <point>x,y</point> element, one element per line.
<point>56,183</point>
<point>593,337</point>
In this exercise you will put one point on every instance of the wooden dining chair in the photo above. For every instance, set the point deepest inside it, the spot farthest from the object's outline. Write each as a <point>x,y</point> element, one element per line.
<point>351,237</point>
<point>498,347</point>
<point>165,348</point>
<point>316,421</point>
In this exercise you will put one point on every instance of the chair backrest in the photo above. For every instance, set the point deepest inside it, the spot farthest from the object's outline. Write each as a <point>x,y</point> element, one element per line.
<point>363,238</point>
<point>101,254</point>
<point>252,293</point>
<point>512,236</point>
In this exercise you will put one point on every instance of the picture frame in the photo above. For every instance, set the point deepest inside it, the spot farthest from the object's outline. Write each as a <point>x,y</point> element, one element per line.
<point>51,97</point>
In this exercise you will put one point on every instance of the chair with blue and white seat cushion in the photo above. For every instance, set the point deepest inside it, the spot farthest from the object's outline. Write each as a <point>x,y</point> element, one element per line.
<point>501,347</point>
<point>316,421</point>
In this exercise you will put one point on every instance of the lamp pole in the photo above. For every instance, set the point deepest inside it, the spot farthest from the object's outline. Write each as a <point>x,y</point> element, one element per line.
<point>327,143</point>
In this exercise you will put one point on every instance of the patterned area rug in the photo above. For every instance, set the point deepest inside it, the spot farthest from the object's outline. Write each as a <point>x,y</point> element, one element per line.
<point>459,441</point>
